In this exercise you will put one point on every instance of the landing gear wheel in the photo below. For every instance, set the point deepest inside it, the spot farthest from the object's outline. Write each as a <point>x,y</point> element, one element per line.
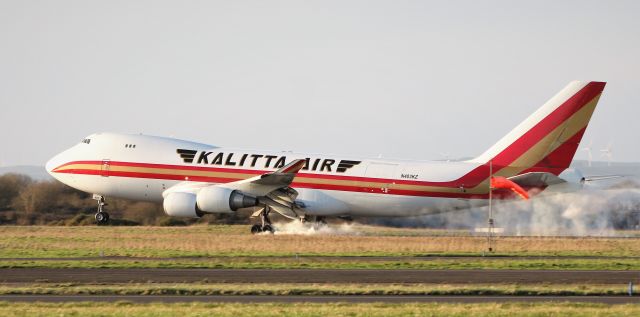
<point>319,222</point>
<point>267,228</point>
<point>256,229</point>
<point>265,223</point>
<point>102,217</point>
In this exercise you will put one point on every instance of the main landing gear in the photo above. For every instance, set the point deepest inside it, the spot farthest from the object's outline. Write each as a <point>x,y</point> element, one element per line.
<point>102,217</point>
<point>316,221</point>
<point>265,222</point>
<point>319,221</point>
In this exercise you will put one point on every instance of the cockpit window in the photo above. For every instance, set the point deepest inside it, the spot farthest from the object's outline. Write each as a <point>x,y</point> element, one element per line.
<point>86,141</point>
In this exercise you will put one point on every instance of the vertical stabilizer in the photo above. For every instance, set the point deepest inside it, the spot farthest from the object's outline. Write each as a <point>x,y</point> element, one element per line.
<point>548,139</point>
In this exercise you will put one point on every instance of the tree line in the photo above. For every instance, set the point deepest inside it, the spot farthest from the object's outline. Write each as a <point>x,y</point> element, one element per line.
<point>24,201</point>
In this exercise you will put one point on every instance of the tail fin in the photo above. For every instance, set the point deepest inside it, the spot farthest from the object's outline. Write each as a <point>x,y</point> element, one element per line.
<point>548,139</point>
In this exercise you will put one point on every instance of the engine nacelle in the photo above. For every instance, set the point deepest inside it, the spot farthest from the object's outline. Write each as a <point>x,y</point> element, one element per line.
<point>215,199</point>
<point>181,205</point>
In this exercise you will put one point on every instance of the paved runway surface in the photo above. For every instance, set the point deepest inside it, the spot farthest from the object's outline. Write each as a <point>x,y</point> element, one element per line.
<point>76,275</point>
<point>318,299</point>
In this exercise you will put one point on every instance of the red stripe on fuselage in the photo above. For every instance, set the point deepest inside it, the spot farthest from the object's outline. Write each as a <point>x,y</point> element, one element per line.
<point>242,171</point>
<point>168,166</point>
<point>295,184</point>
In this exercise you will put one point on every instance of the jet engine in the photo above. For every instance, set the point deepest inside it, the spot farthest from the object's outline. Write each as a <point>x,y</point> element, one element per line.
<point>181,205</point>
<point>215,199</point>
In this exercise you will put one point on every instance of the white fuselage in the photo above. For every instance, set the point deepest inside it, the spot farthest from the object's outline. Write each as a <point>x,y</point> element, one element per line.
<point>140,167</point>
<point>535,153</point>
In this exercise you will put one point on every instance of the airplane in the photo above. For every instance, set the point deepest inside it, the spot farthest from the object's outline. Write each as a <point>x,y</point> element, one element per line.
<point>192,179</point>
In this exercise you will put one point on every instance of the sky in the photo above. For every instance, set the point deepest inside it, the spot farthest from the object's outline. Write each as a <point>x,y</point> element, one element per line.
<point>400,79</point>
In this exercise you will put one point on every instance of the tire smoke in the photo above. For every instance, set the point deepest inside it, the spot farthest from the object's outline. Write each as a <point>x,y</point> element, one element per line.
<point>311,228</point>
<point>592,211</point>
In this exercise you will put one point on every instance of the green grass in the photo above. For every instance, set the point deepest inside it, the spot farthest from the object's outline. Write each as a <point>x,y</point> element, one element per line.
<point>324,309</point>
<point>281,289</point>
<point>232,247</point>
<point>231,241</point>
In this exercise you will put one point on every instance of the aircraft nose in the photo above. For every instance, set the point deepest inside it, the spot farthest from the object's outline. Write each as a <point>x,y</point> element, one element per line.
<point>52,163</point>
<point>49,166</point>
<point>52,167</point>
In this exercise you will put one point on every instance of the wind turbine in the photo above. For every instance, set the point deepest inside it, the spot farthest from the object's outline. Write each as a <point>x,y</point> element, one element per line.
<point>589,153</point>
<point>607,152</point>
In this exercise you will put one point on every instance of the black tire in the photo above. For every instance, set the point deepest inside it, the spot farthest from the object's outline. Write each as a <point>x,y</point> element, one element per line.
<point>102,218</point>
<point>267,228</point>
<point>256,229</point>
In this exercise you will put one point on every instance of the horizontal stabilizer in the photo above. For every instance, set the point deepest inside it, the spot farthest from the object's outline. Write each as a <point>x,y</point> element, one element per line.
<point>536,180</point>
<point>601,177</point>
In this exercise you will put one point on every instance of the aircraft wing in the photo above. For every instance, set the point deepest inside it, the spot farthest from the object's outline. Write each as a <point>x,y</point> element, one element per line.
<point>266,183</point>
<point>273,189</point>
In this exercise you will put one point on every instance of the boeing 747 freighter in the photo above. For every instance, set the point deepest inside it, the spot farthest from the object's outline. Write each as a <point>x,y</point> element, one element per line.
<point>192,179</point>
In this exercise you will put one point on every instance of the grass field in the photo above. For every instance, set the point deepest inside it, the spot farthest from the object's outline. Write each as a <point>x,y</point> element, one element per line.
<point>206,241</point>
<point>355,247</point>
<point>281,289</point>
<point>305,309</point>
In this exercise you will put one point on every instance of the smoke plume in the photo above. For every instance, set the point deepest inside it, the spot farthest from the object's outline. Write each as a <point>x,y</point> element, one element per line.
<point>311,228</point>
<point>594,211</point>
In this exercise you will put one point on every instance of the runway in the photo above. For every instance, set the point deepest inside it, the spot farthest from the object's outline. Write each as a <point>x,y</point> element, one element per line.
<point>156,275</point>
<point>316,299</point>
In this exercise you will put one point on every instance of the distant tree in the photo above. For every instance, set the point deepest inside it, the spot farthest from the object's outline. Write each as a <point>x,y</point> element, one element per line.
<point>27,202</point>
<point>10,187</point>
<point>142,212</point>
<point>37,197</point>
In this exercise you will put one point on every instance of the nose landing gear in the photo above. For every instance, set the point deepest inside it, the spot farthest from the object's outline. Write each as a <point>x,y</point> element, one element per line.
<point>102,217</point>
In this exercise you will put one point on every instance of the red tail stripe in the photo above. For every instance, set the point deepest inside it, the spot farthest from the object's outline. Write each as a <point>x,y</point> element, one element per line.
<point>537,133</point>
<point>557,161</point>
<point>545,126</point>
